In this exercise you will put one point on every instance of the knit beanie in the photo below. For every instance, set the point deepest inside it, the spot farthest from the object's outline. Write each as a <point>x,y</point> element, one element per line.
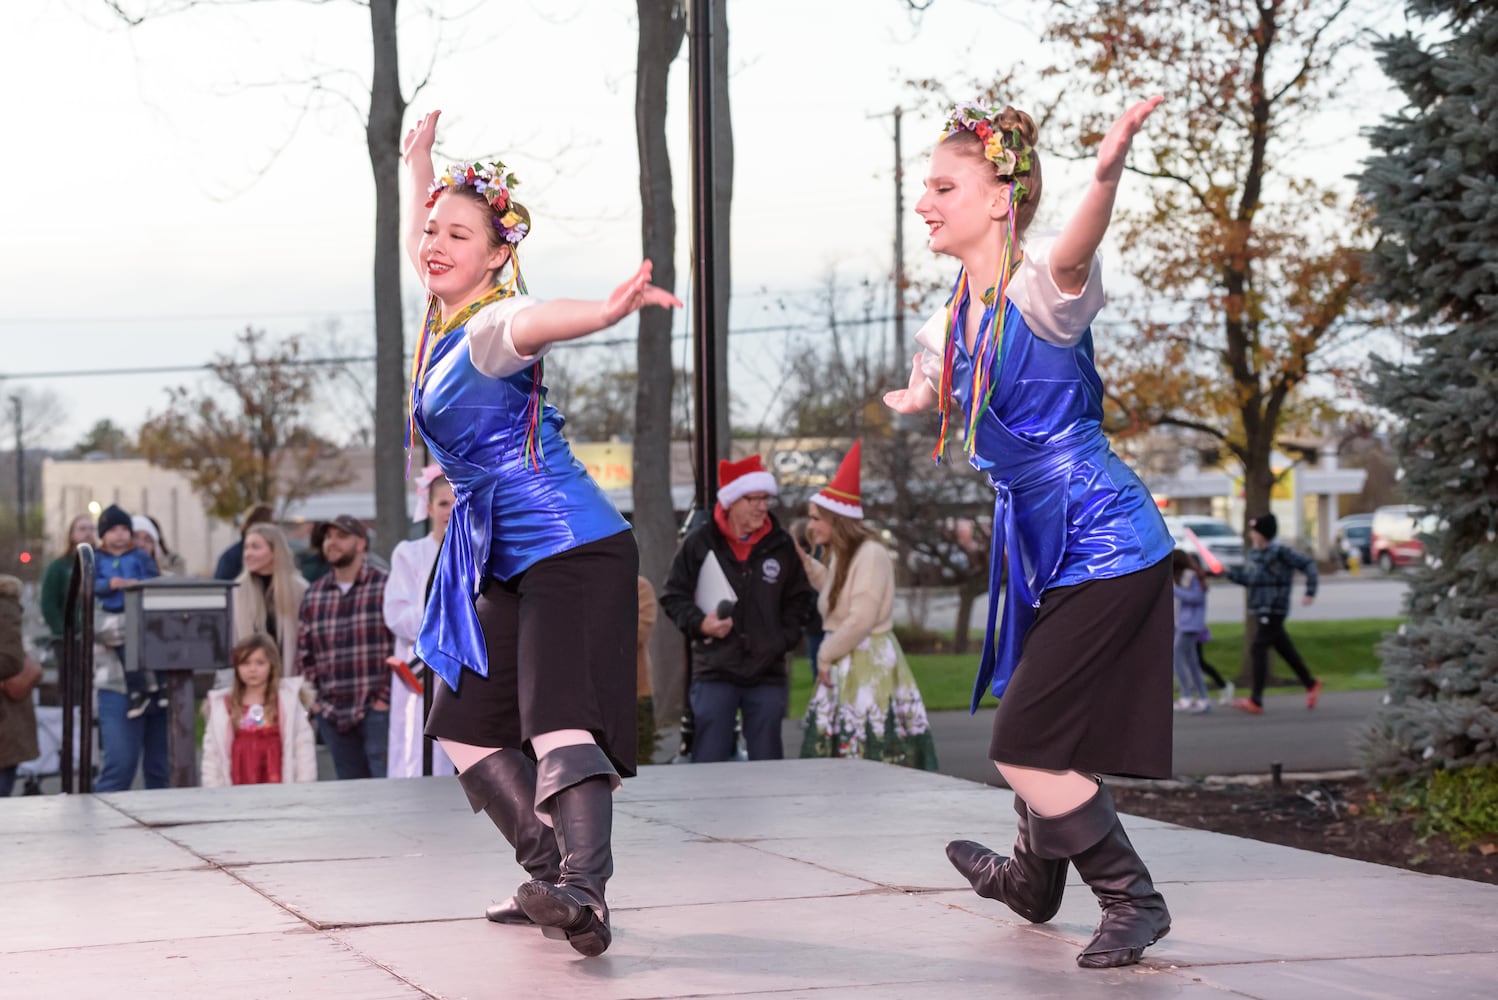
<point>142,523</point>
<point>114,516</point>
<point>1266,525</point>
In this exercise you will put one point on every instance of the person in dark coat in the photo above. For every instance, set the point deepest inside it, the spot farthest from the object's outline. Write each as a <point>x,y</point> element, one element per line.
<point>741,643</point>
<point>1269,573</point>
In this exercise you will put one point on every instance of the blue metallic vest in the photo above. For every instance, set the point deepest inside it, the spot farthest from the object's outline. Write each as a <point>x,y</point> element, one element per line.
<point>507,515</point>
<point>1067,508</point>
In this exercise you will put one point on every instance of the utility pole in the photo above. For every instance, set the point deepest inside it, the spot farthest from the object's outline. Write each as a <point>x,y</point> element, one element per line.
<point>15,402</point>
<point>897,345</point>
<point>898,348</point>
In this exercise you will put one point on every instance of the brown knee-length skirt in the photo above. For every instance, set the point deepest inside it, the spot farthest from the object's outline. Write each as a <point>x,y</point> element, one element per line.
<point>561,644</point>
<point>1092,689</point>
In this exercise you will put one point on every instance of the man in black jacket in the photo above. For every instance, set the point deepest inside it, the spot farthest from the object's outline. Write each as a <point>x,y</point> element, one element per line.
<point>739,655</point>
<point>1268,573</point>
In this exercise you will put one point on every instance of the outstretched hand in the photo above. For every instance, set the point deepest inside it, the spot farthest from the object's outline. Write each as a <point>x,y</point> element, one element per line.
<point>917,397</point>
<point>420,139</point>
<point>1114,148</point>
<point>635,294</point>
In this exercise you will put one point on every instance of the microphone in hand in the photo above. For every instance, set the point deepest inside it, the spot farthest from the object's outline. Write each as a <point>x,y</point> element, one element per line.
<point>726,608</point>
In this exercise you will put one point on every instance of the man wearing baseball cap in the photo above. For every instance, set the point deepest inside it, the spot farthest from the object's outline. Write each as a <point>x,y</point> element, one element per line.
<point>342,646</point>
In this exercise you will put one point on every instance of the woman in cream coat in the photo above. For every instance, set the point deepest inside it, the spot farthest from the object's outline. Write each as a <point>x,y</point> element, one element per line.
<point>866,702</point>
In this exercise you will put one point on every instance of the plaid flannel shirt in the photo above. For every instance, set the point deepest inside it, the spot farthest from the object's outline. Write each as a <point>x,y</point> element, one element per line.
<point>1269,573</point>
<point>342,644</point>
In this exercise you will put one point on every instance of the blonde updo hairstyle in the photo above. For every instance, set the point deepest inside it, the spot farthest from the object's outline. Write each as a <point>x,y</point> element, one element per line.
<point>1006,122</point>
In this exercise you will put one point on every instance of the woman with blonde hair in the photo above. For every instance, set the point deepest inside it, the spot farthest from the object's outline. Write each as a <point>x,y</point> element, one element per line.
<point>537,712</point>
<point>270,591</point>
<point>866,703</point>
<point>1080,560</point>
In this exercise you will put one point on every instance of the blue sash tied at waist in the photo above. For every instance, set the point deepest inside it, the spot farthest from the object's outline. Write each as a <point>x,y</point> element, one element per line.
<point>450,637</point>
<point>1030,522</point>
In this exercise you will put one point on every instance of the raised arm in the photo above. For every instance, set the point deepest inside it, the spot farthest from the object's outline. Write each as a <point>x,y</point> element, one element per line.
<point>567,319</point>
<point>1071,256</point>
<point>417,152</point>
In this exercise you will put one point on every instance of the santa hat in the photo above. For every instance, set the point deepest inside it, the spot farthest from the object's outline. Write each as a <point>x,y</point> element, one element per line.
<point>739,479</point>
<point>842,495</point>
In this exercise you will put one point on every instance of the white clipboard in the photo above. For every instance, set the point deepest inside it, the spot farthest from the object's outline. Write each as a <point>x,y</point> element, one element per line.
<point>713,586</point>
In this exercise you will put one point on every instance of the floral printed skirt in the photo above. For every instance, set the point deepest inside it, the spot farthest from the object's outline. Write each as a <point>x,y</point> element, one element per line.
<point>872,710</point>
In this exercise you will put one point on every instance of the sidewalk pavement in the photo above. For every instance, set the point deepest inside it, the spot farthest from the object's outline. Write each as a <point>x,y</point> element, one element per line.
<point>1222,742</point>
<point>817,879</point>
<point>1225,741</point>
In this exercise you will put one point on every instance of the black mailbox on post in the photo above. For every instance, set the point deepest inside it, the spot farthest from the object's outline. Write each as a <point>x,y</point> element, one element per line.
<point>178,623</point>
<point>178,626</point>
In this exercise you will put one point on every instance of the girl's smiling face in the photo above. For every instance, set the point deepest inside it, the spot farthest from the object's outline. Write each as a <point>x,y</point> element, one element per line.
<point>460,251</point>
<point>962,202</point>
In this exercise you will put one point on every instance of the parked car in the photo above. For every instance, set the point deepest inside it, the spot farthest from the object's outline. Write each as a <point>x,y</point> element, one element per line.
<point>1354,535</point>
<point>1396,535</point>
<point>1213,540</point>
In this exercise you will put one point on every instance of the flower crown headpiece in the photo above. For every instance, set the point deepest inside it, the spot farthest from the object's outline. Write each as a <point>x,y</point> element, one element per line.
<point>493,182</point>
<point>1006,149</point>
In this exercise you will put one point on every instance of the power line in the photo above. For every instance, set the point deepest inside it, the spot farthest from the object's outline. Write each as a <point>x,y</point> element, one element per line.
<point>748,331</point>
<point>255,316</point>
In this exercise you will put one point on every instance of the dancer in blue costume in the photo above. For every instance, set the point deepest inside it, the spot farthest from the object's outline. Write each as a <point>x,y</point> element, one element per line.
<point>1082,658</point>
<point>530,623</point>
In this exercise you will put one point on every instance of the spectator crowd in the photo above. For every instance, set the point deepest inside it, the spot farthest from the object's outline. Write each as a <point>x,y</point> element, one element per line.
<point>322,650</point>
<point>322,645</point>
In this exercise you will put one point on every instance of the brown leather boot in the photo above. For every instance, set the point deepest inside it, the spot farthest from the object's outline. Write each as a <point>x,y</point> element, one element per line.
<point>1025,882</point>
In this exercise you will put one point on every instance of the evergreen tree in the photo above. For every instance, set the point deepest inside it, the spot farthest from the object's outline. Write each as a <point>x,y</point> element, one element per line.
<point>1433,185</point>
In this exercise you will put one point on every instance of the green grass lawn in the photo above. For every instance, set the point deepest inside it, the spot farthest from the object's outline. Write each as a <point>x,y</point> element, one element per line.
<point>1340,653</point>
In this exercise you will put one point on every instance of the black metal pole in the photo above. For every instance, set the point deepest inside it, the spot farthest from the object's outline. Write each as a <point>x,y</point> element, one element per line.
<point>428,682</point>
<point>705,386</point>
<point>75,675</point>
<point>704,277</point>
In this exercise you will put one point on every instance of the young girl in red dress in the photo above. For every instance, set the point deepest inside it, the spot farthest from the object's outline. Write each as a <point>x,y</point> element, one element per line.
<point>257,731</point>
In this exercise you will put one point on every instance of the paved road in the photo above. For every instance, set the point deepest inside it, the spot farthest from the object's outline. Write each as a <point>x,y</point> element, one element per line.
<point>1224,741</point>
<point>1368,596</point>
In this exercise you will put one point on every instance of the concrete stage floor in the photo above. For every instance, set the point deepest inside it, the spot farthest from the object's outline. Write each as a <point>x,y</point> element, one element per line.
<point>817,879</point>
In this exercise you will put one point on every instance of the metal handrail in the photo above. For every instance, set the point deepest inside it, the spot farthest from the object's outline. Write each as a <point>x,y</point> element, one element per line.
<point>76,673</point>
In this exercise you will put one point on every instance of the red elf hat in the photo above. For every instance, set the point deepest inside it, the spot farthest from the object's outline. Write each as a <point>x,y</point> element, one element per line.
<point>842,495</point>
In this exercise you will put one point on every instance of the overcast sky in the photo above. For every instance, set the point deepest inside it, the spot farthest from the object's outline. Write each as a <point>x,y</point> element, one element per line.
<point>163,189</point>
